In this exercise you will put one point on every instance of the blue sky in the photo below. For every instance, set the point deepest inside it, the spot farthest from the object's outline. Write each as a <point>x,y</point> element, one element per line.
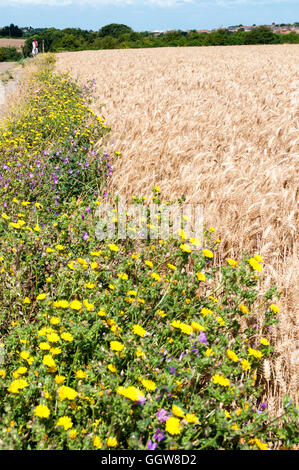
<point>142,15</point>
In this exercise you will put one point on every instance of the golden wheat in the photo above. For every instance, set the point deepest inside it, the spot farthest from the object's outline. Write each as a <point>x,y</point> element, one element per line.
<point>220,125</point>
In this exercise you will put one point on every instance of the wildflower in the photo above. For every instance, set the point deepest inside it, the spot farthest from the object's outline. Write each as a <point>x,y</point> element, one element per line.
<point>19,371</point>
<point>220,321</point>
<point>116,346</point>
<point>123,276</point>
<point>54,321</point>
<point>66,422</point>
<point>187,329</point>
<point>209,352</point>
<point>89,285</point>
<point>243,308</point>
<point>162,415</point>
<point>203,339</point>
<point>27,300</point>
<point>245,364</point>
<point>258,258</point>
<point>97,442</point>
<point>261,445</point>
<point>274,308</point>
<point>53,337</point>
<point>206,311</point>
<point>49,361</point>
<point>201,277</point>
<point>185,248</point>
<point>177,411</point>
<point>2,373</point>
<point>173,426</point>
<point>232,262</point>
<point>113,247</point>
<point>264,342</point>
<point>159,435</point>
<point>148,263</point>
<point>232,355</point>
<point>61,304</point>
<point>75,305</point>
<point>80,374</point>
<point>171,266</point>
<point>255,265</point>
<point>42,411</point>
<point>41,297</point>
<point>59,379</point>
<point>59,247</point>
<point>26,356</point>
<point>66,393</point>
<point>67,337</point>
<point>151,445</point>
<point>17,385</point>
<point>73,433</point>
<point>255,353</point>
<point>156,277</point>
<point>195,241</point>
<point>220,380</point>
<point>112,442</point>
<point>149,385</point>
<point>112,368</point>
<point>197,327</point>
<point>207,253</point>
<point>191,418</point>
<point>138,330</point>
<point>133,393</point>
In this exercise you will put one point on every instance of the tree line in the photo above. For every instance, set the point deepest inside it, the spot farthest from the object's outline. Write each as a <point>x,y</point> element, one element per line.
<point>120,36</point>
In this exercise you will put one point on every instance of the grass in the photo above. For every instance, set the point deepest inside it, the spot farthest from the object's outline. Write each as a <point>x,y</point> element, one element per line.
<point>118,343</point>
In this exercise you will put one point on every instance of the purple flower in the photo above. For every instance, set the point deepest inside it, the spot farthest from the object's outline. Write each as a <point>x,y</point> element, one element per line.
<point>162,415</point>
<point>172,370</point>
<point>203,339</point>
<point>85,236</point>
<point>151,445</point>
<point>141,400</point>
<point>181,356</point>
<point>159,435</point>
<point>262,407</point>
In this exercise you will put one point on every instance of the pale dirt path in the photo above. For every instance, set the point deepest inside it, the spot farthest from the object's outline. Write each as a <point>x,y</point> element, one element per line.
<point>9,85</point>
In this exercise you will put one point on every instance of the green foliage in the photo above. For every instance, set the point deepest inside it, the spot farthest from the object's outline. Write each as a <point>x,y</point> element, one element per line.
<point>11,31</point>
<point>9,54</point>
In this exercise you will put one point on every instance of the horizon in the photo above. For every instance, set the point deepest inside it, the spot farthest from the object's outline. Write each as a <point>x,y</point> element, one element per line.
<point>147,15</point>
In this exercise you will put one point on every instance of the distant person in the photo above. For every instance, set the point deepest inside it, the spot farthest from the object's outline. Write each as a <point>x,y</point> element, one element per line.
<point>34,48</point>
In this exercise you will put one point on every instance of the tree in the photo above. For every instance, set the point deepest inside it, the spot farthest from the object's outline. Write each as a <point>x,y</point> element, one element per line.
<point>114,30</point>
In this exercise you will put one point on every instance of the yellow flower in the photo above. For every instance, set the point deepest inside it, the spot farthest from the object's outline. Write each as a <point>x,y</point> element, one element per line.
<point>73,433</point>
<point>55,321</point>
<point>66,393</point>
<point>2,373</point>
<point>245,364</point>
<point>207,253</point>
<point>171,266</point>
<point>243,308</point>
<point>66,422</point>
<point>206,311</point>
<point>220,380</point>
<point>185,248</point>
<point>191,418</point>
<point>232,355</point>
<point>148,263</point>
<point>156,277</point>
<point>232,262</point>
<point>201,277</point>
<point>113,247</point>
<point>17,385</point>
<point>49,361</point>
<point>133,393</point>
<point>42,411</point>
<point>80,374</point>
<point>258,258</point>
<point>66,336</point>
<point>264,342</point>
<point>89,285</point>
<point>19,371</point>
<point>149,385</point>
<point>27,300</point>
<point>112,368</point>
<point>255,353</point>
<point>197,327</point>
<point>97,442</point>
<point>209,352</point>
<point>59,379</point>
<point>177,411</point>
<point>255,265</point>
<point>274,308</point>
<point>75,305</point>
<point>59,247</point>
<point>122,276</point>
<point>173,426</point>
<point>53,337</point>
<point>116,346</point>
<point>41,296</point>
<point>112,442</point>
<point>138,330</point>
<point>61,304</point>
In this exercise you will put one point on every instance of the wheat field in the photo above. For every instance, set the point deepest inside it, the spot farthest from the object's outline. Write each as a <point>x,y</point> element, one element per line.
<point>220,125</point>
